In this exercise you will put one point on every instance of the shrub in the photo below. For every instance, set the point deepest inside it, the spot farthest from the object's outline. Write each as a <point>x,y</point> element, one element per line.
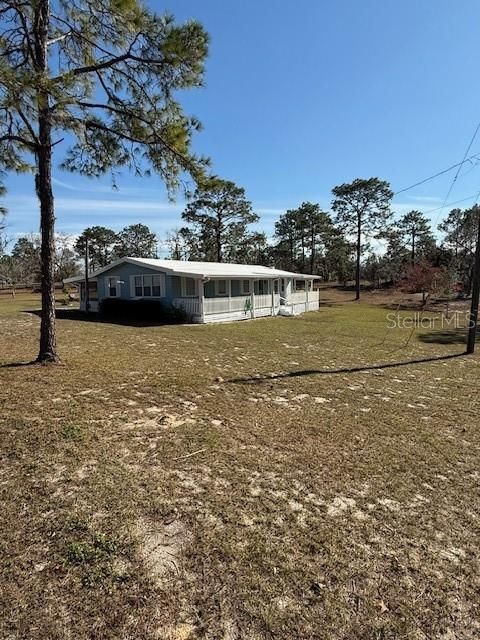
<point>143,310</point>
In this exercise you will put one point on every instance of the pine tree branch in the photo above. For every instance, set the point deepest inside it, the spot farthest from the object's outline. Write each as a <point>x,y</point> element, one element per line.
<point>184,160</point>
<point>112,58</point>
<point>17,8</point>
<point>59,38</point>
<point>15,138</point>
<point>94,124</point>
<point>28,125</point>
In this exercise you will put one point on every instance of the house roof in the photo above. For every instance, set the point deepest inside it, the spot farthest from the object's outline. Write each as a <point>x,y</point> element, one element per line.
<point>204,270</point>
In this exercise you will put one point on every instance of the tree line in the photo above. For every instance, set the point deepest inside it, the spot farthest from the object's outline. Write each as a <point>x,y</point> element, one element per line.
<point>358,239</point>
<point>22,265</point>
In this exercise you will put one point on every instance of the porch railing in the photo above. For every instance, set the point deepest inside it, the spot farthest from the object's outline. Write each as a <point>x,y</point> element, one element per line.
<point>298,296</point>
<point>242,303</point>
<point>263,300</point>
<point>301,296</point>
<point>222,305</point>
<point>190,305</point>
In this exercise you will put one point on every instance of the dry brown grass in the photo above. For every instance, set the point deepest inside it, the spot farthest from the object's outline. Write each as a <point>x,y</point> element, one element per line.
<point>180,482</point>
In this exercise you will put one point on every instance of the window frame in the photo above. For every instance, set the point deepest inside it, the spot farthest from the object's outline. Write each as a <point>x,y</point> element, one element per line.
<point>184,288</point>
<point>218,293</point>
<point>157,286</point>
<point>263,283</point>
<point>108,291</point>
<point>297,288</point>
<point>156,282</point>
<point>249,288</point>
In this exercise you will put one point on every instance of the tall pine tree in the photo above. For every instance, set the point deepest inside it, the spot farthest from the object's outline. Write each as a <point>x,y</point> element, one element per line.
<point>104,76</point>
<point>219,214</point>
<point>362,210</point>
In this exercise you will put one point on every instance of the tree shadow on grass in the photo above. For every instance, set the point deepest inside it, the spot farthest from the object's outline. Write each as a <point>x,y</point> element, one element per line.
<point>359,369</point>
<point>16,365</point>
<point>97,318</point>
<point>453,336</point>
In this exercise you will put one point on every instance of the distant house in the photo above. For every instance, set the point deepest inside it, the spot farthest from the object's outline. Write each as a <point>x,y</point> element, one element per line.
<point>208,291</point>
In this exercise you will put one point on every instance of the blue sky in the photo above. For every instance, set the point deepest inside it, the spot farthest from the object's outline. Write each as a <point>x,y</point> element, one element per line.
<point>302,95</point>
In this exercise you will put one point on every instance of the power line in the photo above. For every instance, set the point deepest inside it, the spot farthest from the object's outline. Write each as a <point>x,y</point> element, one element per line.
<point>452,184</point>
<point>476,196</point>
<point>475,156</point>
<point>464,157</point>
<point>449,204</point>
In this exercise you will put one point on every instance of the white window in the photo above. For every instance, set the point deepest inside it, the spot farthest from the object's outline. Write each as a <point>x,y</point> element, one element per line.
<point>157,286</point>
<point>221,287</point>
<point>245,287</point>
<point>189,288</point>
<point>147,286</point>
<point>299,285</point>
<point>138,286</point>
<point>112,287</point>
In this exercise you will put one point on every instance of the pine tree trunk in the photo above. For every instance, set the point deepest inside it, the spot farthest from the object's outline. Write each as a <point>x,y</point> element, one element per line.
<point>357,266</point>
<point>218,237</point>
<point>413,248</point>
<point>48,346</point>
<point>312,254</point>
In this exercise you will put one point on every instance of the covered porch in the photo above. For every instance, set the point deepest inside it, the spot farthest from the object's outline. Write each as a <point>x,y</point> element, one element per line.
<point>226,299</point>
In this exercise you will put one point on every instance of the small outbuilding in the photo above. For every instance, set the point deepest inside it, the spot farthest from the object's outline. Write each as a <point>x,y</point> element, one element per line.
<point>207,291</point>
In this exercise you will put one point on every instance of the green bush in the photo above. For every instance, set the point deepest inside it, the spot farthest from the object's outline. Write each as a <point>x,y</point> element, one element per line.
<point>143,310</point>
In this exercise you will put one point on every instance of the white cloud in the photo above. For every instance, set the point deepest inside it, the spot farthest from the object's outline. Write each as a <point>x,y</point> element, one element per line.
<point>94,186</point>
<point>88,206</point>
<point>432,199</point>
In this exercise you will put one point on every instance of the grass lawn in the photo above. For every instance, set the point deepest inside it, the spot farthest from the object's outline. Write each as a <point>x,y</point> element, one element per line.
<point>244,481</point>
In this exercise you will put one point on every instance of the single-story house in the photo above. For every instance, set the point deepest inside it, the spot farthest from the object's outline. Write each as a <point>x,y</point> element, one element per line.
<point>208,291</point>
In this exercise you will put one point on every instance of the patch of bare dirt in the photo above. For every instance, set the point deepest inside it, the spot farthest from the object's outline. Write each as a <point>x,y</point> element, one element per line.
<point>161,547</point>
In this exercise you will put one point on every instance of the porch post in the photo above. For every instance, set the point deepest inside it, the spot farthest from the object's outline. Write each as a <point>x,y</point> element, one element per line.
<point>307,285</point>
<point>289,291</point>
<point>229,294</point>
<point>252,285</point>
<point>288,287</point>
<point>201,298</point>
<point>273,297</point>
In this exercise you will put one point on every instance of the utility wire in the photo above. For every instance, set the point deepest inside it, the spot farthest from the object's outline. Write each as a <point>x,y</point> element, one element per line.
<point>449,204</point>
<point>475,156</point>
<point>452,184</point>
<point>458,166</point>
